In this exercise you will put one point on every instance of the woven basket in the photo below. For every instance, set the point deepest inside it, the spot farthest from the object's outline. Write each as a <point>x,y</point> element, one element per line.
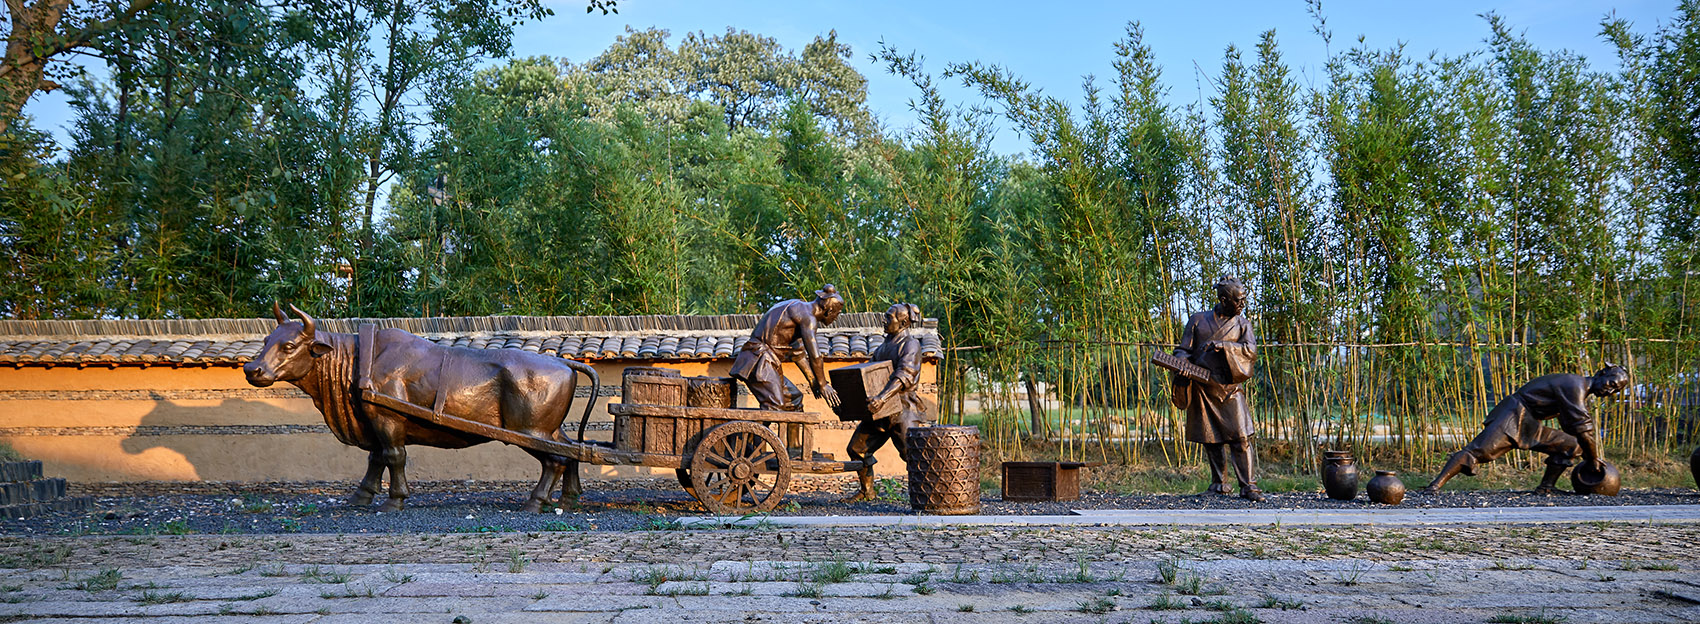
<point>944,469</point>
<point>712,392</point>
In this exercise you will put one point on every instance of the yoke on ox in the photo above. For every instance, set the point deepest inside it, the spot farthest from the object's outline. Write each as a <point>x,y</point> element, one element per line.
<point>371,387</point>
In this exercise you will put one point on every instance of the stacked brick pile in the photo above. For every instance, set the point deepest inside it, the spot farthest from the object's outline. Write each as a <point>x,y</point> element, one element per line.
<point>24,493</point>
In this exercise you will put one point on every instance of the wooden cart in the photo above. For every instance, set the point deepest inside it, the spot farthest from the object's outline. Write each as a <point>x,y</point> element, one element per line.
<point>733,460</point>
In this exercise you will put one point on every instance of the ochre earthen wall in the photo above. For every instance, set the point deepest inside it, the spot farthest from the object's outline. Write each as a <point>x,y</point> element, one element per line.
<point>162,423</point>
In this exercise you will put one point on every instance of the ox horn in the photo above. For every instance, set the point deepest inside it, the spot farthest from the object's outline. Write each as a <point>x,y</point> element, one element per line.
<point>306,321</point>
<point>278,312</point>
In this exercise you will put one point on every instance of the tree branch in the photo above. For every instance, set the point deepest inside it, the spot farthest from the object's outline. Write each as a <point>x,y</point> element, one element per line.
<point>74,40</point>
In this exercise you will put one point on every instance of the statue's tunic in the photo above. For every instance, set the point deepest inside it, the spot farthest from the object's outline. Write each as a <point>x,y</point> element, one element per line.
<point>905,357</point>
<point>904,353</point>
<point>1216,412</point>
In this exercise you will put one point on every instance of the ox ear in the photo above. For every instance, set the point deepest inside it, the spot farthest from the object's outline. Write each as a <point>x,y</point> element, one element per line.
<point>321,344</point>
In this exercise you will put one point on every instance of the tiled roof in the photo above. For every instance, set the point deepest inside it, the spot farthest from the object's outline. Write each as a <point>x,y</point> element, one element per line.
<point>233,342</point>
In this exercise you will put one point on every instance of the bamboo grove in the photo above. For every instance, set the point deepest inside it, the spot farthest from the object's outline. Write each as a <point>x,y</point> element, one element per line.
<point>1421,233</point>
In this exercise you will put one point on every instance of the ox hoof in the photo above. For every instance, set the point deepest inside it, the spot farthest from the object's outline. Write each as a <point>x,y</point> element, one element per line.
<point>532,506</point>
<point>360,499</point>
<point>392,505</point>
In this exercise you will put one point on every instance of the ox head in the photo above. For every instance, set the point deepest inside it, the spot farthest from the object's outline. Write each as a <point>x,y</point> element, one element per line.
<point>289,352</point>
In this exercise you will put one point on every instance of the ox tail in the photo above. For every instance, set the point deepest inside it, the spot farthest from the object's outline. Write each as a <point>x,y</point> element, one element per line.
<point>595,391</point>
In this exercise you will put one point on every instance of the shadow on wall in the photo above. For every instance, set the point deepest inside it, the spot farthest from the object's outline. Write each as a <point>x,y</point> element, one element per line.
<point>233,440</point>
<point>272,439</point>
<point>280,440</point>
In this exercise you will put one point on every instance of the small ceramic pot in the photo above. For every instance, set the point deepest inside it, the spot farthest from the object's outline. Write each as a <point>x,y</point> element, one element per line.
<point>1605,483</point>
<point>1339,475</point>
<point>1386,488</point>
<point>1694,465</point>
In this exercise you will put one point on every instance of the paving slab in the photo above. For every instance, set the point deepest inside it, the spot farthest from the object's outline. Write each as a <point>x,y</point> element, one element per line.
<point>760,617</point>
<point>63,608</point>
<point>766,569</point>
<point>480,590</point>
<point>482,618</point>
<point>215,619</point>
<point>1606,572</point>
<point>595,602</point>
<point>494,578</point>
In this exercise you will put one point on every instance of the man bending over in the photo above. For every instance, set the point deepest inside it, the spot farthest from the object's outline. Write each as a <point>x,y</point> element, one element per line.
<point>1516,423</point>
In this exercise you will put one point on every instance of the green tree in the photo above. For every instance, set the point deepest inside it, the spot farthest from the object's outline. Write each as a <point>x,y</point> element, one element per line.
<point>750,77</point>
<point>197,150</point>
<point>1675,116</point>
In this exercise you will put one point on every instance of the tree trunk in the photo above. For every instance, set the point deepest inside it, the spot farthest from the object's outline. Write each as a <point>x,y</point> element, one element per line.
<point>35,39</point>
<point>1036,409</point>
<point>22,71</point>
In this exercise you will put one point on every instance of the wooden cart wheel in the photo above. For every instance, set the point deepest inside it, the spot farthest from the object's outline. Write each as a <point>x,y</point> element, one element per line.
<point>740,467</point>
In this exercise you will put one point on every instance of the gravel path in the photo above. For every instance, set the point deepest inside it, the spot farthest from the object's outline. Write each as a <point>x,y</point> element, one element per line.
<point>492,507</point>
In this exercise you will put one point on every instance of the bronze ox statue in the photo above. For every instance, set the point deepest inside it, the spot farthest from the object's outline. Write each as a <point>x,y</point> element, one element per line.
<point>511,389</point>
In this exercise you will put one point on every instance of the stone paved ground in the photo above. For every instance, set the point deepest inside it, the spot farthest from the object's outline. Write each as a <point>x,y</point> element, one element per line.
<point>1596,572</point>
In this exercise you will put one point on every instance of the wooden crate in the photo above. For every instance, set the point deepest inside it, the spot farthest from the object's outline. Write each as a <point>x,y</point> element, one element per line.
<point>660,435</point>
<point>1042,481</point>
<point>856,384</point>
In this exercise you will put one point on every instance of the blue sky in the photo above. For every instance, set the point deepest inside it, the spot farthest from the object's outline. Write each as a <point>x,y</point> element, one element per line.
<point>1052,45</point>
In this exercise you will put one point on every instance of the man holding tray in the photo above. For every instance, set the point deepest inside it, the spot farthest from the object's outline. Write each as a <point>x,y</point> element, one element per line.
<point>1218,415</point>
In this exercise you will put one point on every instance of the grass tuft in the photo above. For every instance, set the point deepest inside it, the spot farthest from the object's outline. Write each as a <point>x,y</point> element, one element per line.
<point>1165,602</point>
<point>151,597</point>
<point>1097,606</point>
<point>105,580</point>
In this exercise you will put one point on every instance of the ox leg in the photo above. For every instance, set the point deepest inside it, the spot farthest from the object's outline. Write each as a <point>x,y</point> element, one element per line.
<point>564,468</point>
<point>396,459</point>
<point>573,488</point>
<point>555,481</point>
<point>545,482</point>
<point>368,487</point>
<point>392,436</point>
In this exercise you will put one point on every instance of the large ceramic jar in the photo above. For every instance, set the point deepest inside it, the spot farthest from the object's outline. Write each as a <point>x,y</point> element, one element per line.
<point>1604,483</point>
<point>1386,488</point>
<point>1339,475</point>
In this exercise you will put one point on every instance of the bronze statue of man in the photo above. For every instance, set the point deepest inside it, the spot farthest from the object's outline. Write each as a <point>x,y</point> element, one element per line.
<point>1218,415</point>
<point>1516,423</point>
<point>759,362</point>
<point>904,352</point>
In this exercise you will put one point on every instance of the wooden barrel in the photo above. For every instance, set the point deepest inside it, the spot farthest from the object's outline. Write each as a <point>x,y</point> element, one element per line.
<point>944,469</point>
<point>652,385</point>
<point>712,392</point>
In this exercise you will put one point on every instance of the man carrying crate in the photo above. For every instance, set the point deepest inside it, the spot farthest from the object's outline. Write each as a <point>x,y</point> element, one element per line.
<point>896,407</point>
